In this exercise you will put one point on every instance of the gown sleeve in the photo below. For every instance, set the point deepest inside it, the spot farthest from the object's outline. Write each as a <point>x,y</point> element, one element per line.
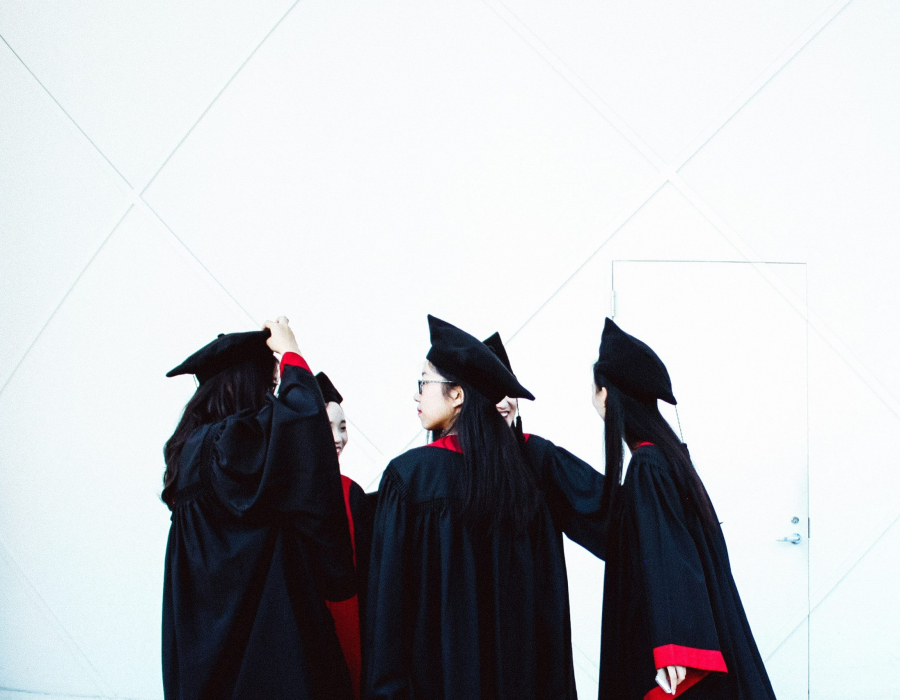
<point>671,573</point>
<point>363,514</point>
<point>574,490</point>
<point>387,674</point>
<point>279,463</point>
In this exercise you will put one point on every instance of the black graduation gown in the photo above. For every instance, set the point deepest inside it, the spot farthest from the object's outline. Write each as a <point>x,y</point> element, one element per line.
<point>259,540</point>
<point>362,514</point>
<point>349,614</point>
<point>669,598</point>
<point>573,490</point>
<point>458,615</point>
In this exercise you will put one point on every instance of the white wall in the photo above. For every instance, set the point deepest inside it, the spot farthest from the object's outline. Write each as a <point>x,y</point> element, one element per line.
<point>172,170</point>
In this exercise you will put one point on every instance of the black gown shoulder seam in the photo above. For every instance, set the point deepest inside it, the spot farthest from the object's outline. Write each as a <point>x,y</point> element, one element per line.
<point>650,455</point>
<point>396,480</point>
<point>434,504</point>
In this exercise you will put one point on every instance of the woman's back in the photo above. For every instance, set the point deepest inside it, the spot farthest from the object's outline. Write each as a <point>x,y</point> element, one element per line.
<point>457,611</point>
<point>672,615</point>
<point>258,538</point>
<point>669,595</point>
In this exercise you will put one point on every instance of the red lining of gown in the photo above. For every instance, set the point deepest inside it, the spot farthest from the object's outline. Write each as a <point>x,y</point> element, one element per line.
<point>346,612</point>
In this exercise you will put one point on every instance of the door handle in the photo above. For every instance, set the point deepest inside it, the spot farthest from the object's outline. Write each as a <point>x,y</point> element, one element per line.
<point>793,539</point>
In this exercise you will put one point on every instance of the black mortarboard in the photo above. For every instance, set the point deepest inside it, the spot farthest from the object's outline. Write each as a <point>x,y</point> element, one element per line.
<point>468,359</point>
<point>225,351</point>
<point>633,366</point>
<point>329,393</point>
<point>496,345</point>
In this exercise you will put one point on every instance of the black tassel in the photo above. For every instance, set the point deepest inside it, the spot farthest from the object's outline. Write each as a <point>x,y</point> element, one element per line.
<point>517,429</point>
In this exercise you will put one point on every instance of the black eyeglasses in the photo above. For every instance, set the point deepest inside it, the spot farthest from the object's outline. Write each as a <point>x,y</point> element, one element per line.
<point>423,382</point>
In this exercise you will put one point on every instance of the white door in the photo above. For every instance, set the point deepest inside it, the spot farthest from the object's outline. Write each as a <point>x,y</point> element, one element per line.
<point>735,348</point>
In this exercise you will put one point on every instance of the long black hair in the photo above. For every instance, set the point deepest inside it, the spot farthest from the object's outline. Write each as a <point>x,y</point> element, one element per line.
<point>499,489</point>
<point>634,421</point>
<point>238,388</point>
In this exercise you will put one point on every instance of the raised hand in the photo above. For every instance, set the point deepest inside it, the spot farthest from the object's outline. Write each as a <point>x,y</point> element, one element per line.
<point>282,339</point>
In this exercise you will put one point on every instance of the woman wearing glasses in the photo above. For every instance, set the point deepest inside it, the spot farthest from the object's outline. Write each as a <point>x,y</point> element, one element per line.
<point>467,594</point>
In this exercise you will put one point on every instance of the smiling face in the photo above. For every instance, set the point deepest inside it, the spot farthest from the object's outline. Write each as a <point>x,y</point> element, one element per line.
<point>438,407</point>
<point>338,425</point>
<point>509,409</point>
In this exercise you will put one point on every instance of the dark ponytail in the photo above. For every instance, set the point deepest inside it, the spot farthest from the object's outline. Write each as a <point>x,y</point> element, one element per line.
<point>629,420</point>
<point>498,486</point>
<point>238,388</point>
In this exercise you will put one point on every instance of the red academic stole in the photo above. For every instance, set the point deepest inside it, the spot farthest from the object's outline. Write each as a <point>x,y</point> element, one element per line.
<point>346,612</point>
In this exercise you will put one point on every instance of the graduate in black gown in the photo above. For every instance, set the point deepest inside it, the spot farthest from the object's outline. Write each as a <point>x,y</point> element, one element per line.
<point>259,536</point>
<point>671,610</point>
<point>348,613</point>
<point>468,598</point>
<point>572,487</point>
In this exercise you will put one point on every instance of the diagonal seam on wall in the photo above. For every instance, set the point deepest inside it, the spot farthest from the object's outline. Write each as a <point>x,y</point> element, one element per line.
<point>568,75</point>
<point>136,198</point>
<point>631,136</point>
<point>758,84</point>
<point>854,559</point>
<point>219,94</point>
<point>51,617</point>
<point>543,50</point>
<point>37,694</point>
<point>832,587</point>
<point>109,163</point>
<point>63,299</point>
<point>667,170</point>
<point>815,321</point>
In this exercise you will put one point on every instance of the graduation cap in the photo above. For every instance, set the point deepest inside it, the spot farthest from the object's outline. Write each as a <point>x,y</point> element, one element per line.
<point>227,350</point>
<point>468,359</point>
<point>633,366</point>
<point>496,345</point>
<point>329,393</point>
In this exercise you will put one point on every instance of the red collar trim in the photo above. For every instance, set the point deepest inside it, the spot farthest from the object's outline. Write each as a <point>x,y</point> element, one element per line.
<point>643,444</point>
<point>451,442</point>
<point>448,442</point>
